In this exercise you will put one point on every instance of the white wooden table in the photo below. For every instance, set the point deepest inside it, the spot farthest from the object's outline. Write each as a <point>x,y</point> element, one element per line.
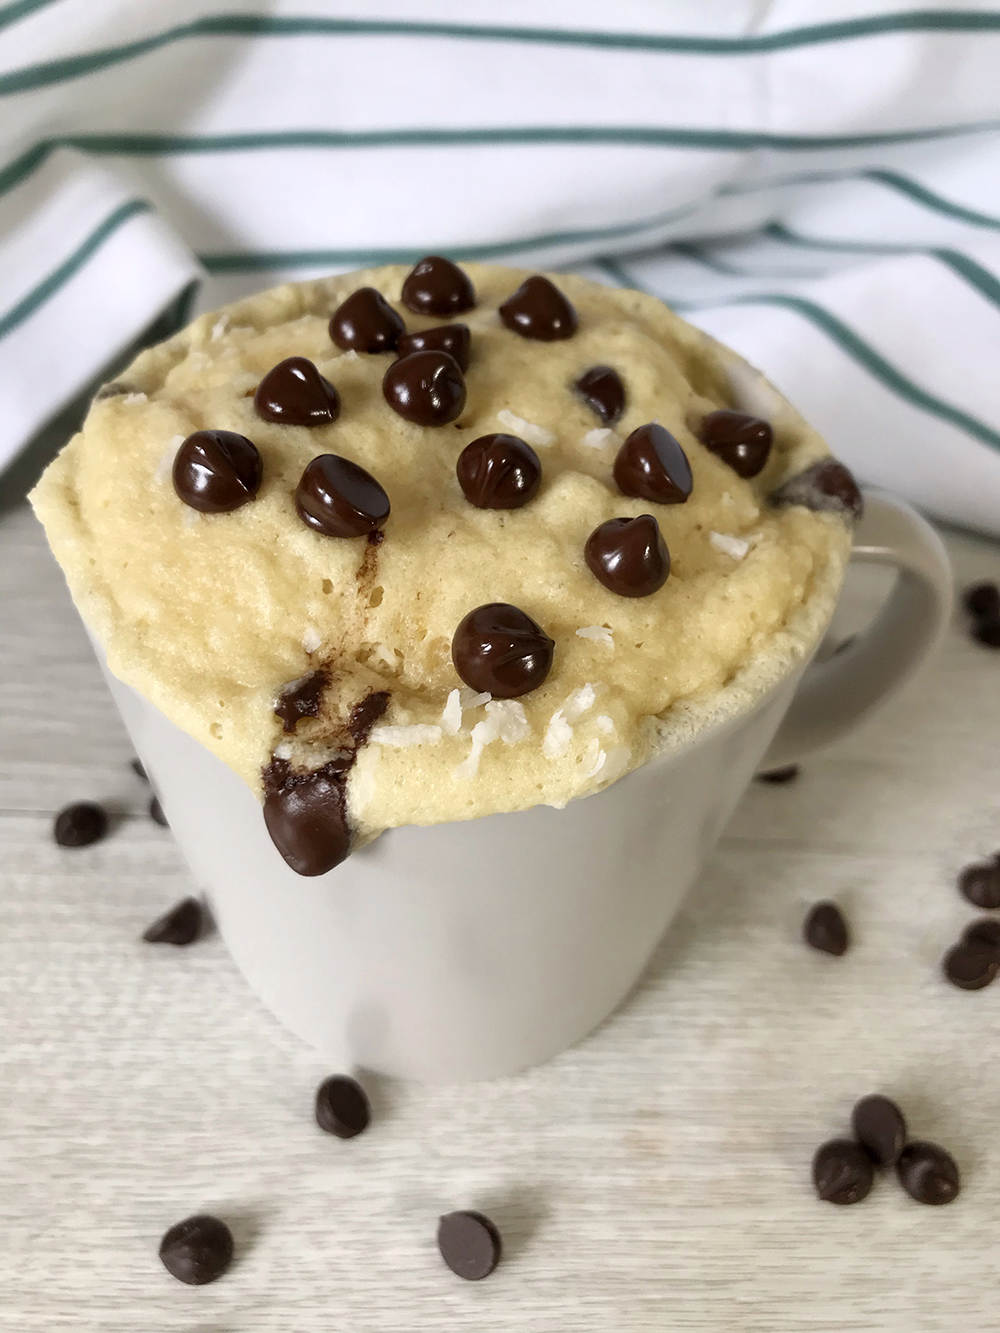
<point>655,1178</point>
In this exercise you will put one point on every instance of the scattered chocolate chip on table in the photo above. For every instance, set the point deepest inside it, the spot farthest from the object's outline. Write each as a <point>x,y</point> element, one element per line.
<point>777,777</point>
<point>928,1173</point>
<point>826,929</point>
<point>180,926</point>
<point>470,1244</point>
<point>880,1127</point>
<point>842,1172</point>
<point>197,1250</point>
<point>80,824</point>
<point>342,1107</point>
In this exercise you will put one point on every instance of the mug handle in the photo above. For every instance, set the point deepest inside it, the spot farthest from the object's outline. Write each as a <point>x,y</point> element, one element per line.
<point>837,694</point>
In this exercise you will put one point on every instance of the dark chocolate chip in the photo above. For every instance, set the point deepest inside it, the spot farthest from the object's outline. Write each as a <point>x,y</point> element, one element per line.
<point>880,1128</point>
<point>826,929</point>
<point>982,600</point>
<point>454,339</point>
<point>294,393</point>
<point>365,714</point>
<point>306,817</point>
<point>426,388</point>
<point>928,1173</point>
<point>138,770</point>
<point>340,499</point>
<point>984,931</point>
<point>539,310</point>
<point>842,1172</point>
<point>651,465</point>
<point>499,649</point>
<point>436,286</point>
<point>342,1107</point>
<point>197,1250</point>
<point>499,472</point>
<point>301,698</point>
<point>742,441</point>
<point>156,813</point>
<point>778,776</point>
<point>366,322</point>
<point>987,631</point>
<point>470,1244</point>
<point>980,883</point>
<point>217,471</point>
<point>181,925</point>
<point>79,825</point>
<point>602,390</point>
<point>971,964</point>
<point>826,485</point>
<point>628,555</point>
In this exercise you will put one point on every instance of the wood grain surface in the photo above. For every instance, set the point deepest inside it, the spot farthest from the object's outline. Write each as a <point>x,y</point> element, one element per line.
<point>654,1178</point>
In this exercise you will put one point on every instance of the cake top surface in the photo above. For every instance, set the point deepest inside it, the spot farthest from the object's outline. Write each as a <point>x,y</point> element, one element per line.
<point>304,598</point>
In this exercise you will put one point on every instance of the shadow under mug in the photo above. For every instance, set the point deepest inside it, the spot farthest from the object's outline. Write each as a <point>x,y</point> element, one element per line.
<point>470,950</point>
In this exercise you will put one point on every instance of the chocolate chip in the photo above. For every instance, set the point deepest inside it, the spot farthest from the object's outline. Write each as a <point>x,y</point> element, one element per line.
<point>826,485</point>
<point>928,1173</point>
<point>342,1107</point>
<point>826,929</point>
<point>739,439</point>
<point>436,286</point>
<point>138,770</point>
<point>79,825</point>
<point>980,883</point>
<point>842,1172</point>
<point>301,698</point>
<point>628,555</point>
<point>217,471</point>
<point>499,472</point>
<point>294,393</point>
<point>340,499</point>
<point>500,650</point>
<point>539,310</point>
<point>366,322</point>
<point>426,388</point>
<point>306,817</point>
<point>987,631</point>
<point>982,600</point>
<point>156,813</point>
<point>365,714</point>
<point>470,1244</point>
<point>455,339</point>
<point>602,390</point>
<point>197,1250</point>
<point>880,1128</point>
<point>971,964</point>
<point>651,465</point>
<point>778,776</point>
<point>984,931</point>
<point>180,926</point>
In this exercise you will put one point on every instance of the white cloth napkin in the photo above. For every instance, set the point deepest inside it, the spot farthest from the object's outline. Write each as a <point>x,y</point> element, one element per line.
<point>816,182</point>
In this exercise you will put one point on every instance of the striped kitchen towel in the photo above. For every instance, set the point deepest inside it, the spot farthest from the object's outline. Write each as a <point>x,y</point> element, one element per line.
<point>816,182</point>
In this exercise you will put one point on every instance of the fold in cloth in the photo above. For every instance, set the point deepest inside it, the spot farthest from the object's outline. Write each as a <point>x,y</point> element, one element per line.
<point>815,183</point>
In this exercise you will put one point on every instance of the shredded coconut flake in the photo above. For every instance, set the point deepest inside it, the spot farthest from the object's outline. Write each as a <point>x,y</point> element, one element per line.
<point>133,398</point>
<point>526,430</point>
<point>599,634</point>
<point>593,760</point>
<point>385,654</point>
<point>728,545</point>
<point>558,736</point>
<point>283,751</point>
<point>616,762</point>
<point>451,718</point>
<point>511,720</point>
<point>597,439</point>
<point>166,464</point>
<point>471,699</point>
<point>605,724</point>
<point>349,355</point>
<point>219,328</point>
<point>580,701</point>
<point>311,639</point>
<point>483,733</point>
<point>421,733</point>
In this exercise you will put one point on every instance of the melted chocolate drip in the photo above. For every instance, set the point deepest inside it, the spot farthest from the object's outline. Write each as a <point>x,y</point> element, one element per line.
<point>301,698</point>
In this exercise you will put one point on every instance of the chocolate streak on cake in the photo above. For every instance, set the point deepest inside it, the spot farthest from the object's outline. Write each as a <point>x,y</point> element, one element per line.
<point>306,812</point>
<point>301,698</point>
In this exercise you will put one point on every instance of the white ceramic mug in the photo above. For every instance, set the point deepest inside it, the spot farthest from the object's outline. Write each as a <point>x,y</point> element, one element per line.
<point>470,950</point>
